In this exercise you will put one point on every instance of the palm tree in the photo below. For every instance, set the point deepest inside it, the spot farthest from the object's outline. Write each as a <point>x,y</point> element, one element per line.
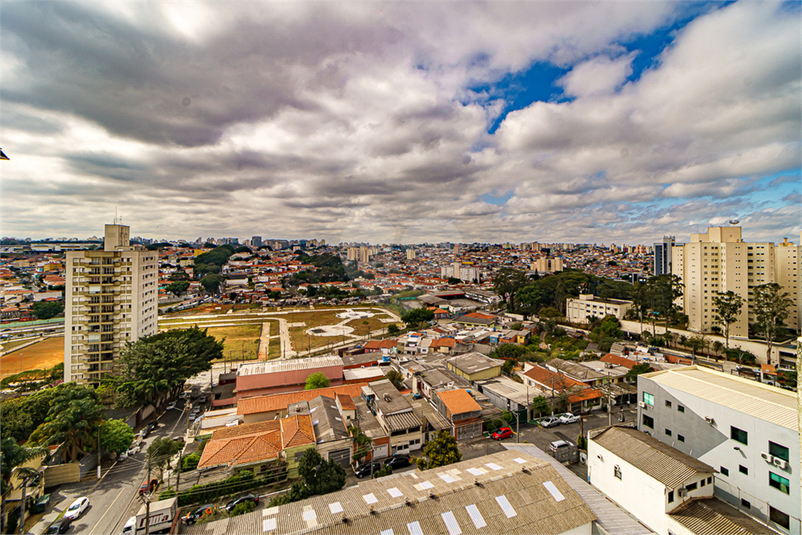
<point>72,424</point>
<point>12,456</point>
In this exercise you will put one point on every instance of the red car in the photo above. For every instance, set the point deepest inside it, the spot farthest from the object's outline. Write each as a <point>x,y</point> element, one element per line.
<point>504,432</point>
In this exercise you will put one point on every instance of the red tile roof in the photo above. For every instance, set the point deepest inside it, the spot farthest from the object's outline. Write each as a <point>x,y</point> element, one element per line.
<point>275,402</point>
<point>619,361</point>
<point>551,380</point>
<point>458,401</point>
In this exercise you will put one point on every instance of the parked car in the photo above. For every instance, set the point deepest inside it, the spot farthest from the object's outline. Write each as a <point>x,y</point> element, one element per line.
<point>568,418</point>
<point>77,508</point>
<point>59,526</point>
<point>152,425</point>
<point>122,456</point>
<point>146,486</point>
<point>397,461</point>
<point>144,433</point>
<point>558,445</point>
<point>364,470</point>
<point>197,514</point>
<point>504,432</point>
<point>245,498</point>
<point>170,406</point>
<point>202,400</point>
<point>550,421</point>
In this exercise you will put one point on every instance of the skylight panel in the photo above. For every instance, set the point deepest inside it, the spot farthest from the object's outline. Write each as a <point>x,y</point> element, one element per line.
<point>269,524</point>
<point>414,528</point>
<point>477,471</point>
<point>505,506</point>
<point>555,492</point>
<point>270,511</point>
<point>309,515</point>
<point>335,508</point>
<point>519,460</point>
<point>493,466</point>
<point>447,478</point>
<point>395,493</point>
<point>387,532</point>
<point>451,523</point>
<point>370,498</point>
<point>476,516</point>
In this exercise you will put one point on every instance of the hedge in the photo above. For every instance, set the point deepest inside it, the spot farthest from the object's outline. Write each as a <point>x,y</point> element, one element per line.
<point>239,482</point>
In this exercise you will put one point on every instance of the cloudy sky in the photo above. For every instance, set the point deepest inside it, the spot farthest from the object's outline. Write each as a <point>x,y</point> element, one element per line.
<point>401,122</point>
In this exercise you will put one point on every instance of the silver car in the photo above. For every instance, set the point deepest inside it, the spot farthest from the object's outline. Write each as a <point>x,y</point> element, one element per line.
<point>568,418</point>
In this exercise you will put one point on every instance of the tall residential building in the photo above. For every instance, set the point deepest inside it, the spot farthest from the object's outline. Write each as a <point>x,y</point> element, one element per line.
<point>746,430</point>
<point>461,272</point>
<point>111,298</point>
<point>720,261</point>
<point>662,256</point>
<point>410,254</point>
<point>787,266</point>
<point>256,241</point>
<point>364,255</point>
<point>547,264</point>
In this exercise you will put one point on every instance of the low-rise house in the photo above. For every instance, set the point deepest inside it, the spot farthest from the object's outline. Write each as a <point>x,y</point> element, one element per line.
<point>395,415</point>
<point>558,387</point>
<point>475,366</point>
<point>274,406</point>
<point>462,412</point>
<point>285,375</point>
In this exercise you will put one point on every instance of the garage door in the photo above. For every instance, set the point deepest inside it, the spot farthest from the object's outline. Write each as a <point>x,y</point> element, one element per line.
<point>342,457</point>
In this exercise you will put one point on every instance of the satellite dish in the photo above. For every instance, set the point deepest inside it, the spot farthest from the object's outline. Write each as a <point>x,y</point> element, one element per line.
<point>734,221</point>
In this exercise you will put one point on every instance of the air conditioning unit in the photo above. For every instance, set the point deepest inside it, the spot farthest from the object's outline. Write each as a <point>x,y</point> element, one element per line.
<point>766,457</point>
<point>709,419</point>
<point>682,492</point>
<point>642,404</point>
<point>780,463</point>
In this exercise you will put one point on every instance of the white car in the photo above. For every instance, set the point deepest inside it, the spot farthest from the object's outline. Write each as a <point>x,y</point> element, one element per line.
<point>77,508</point>
<point>170,406</point>
<point>568,418</point>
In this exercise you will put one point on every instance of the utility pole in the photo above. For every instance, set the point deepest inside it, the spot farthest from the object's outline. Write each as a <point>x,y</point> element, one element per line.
<point>98,453</point>
<point>147,503</point>
<point>517,425</point>
<point>178,475</point>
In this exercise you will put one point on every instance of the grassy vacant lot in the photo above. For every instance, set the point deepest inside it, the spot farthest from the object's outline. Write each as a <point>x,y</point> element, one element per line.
<point>41,355</point>
<point>302,342</point>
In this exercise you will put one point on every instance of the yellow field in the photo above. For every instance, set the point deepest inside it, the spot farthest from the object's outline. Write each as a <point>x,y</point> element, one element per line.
<point>39,356</point>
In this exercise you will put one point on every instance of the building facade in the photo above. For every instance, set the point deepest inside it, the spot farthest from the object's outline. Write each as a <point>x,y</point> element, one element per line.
<point>588,305</point>
<point>662,256</point>
<point>720,261</point>
<point>747,431</point>
<point>111,298</point>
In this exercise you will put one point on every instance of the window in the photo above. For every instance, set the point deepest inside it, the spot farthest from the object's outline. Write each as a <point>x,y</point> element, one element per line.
<point>671,496</point>
<point>744,470</point>
<point>724,471</point>
<point>739,435</point>
<point>648,399</point>
<point>779,518</point>
<point>617,471</point>
<point>779,482</point>
<point>648,421</point>
<point>668,432</point>
<point>668,404</point>
<point>681,438</point>
<point>778,451</point>
<point>709,480</point>
<point>745,504</point>
<point>680,408</point>
<point>690,487</point>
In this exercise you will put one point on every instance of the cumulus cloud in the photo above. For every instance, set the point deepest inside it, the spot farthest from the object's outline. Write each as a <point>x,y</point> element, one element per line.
<point>357,121</point>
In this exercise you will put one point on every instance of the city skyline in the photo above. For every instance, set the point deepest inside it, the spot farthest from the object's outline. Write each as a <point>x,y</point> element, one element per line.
<point>402,123</point>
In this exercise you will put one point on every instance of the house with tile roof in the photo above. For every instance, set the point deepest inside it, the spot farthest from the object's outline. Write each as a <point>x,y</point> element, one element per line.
<point>274,406</point>
<point>464,413</point>
<point>257,445</point>
<point>578,396</point>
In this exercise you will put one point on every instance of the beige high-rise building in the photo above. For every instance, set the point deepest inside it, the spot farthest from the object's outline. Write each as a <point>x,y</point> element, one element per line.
<point>547,264</point>
<point>720,261</point>
<point>112,297</point>
<point>410,254</point>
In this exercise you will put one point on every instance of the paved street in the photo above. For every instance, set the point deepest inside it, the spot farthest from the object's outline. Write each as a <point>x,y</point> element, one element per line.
<point>114,499</point>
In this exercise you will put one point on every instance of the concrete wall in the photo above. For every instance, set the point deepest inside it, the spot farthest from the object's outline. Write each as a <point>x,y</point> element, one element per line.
<point>62,473</point>
<point>711,443</point>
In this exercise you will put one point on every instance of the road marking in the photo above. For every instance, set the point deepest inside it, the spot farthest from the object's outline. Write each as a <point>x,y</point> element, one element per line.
<point>108,510</point>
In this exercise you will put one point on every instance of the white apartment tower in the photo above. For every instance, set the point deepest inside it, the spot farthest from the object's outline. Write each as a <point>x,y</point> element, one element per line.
<point>111,298</point>
<point>720,261</point>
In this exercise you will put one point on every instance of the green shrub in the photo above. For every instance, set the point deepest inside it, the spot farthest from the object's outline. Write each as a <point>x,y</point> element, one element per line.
<point>242,508</point>
<point>383,471</point>
<point>241,481</point>
<point>190,462</point>
<point>167,494</point>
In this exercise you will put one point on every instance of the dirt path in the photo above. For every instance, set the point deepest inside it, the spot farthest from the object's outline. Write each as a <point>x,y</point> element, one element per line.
<point>264,342</point>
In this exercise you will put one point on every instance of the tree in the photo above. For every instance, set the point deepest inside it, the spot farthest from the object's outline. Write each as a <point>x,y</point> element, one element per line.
<point>506,283</point>
<point>177,288</point>
<point>695,344</point>
<point>540,405</point>
<point>155,366</point>
<point>509,351</point>
<point>160,451</point>
<point>211,283</point>
<point>393,329</point>
<point>441,451</point>
<point>72,421</point>
<point>417,316</point>
<point>320,476</point>
<point>638,369</point>
<point>726,309</point>
<point>717,347</point>
<point>12,455</point>
<point>770,306</point>
<point>453,280</point>
<point>396,378</point>
<point>531,298</point>
<point>44,310</point>
<point>316,380</point>
<point>385,470</point>
<point>116,435</point>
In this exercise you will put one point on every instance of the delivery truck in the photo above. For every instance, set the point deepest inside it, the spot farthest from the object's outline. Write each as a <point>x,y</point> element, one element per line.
<point>162,514</point>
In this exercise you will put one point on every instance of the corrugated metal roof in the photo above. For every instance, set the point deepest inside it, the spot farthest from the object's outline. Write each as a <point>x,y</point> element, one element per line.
<point>654,458</point>
<point>285,365</point>
<point>714,517</point>
<point>427,511</point>
<point>762,401</point>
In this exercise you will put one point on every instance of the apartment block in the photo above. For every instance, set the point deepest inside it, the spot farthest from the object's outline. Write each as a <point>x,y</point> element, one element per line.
<point>662,256</point>
<point>461,272</point>
<point>747,431</point>
<point>588,305</point>
<point>111,298</point>
<point>720,261</point>
<point>547,265</point>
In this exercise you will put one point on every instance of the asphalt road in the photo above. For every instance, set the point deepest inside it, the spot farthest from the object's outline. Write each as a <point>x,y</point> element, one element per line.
<point>114,498</point>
